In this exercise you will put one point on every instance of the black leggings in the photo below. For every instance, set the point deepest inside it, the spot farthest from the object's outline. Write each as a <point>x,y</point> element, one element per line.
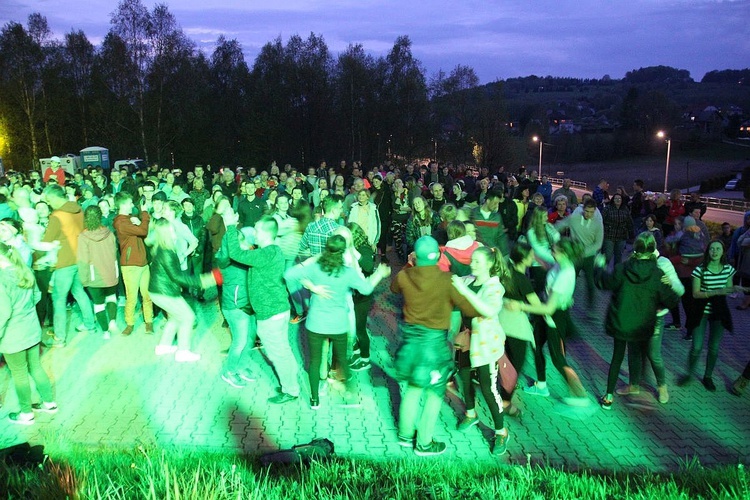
<point>385,233</point>
<point>44,306</point>
<point>361,309</point>
<point>109,311</point>
<point>556,337</point>
<point>746,373</point>
<point>635,356</point>
<point>515,349</point>
<point>487,384</point>
<point>338,344</point>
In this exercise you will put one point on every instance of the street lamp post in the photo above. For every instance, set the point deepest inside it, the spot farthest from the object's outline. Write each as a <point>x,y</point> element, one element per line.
<point>662,135</point>
<point>539,140</point>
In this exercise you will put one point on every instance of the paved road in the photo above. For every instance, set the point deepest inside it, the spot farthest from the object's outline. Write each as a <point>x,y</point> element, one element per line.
<point>117,393</point>
<point>713,214</point>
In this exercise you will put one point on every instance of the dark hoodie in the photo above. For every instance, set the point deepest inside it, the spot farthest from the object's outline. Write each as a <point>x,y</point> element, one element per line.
<point>637,294</point>
<point>65,224</point>
<point>97,258</point>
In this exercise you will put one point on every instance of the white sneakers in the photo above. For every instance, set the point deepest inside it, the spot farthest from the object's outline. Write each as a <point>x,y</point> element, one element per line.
<point>161,350</point>
<point>186,357</point>
<point>181,356</point>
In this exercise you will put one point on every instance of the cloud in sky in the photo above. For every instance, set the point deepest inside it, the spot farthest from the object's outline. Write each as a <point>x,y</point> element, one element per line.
<point>500,39</point>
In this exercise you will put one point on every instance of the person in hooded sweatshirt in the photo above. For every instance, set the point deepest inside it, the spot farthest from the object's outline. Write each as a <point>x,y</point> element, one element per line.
<point>637,285</point>
<point>98,269</point>
<point>65,224</point>
<point>20,334</point>
<point>131,234</point>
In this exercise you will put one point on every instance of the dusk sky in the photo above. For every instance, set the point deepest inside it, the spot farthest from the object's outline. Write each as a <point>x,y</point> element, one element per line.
<point>499,39</point>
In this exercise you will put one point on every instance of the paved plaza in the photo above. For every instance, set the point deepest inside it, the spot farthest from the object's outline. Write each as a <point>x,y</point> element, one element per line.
<point>117,394</point>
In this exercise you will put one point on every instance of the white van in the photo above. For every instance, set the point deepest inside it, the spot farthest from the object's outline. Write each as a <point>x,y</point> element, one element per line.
<point>139,164</point>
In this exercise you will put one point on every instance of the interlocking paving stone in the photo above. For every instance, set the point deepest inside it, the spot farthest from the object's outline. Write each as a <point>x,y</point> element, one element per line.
<point>117,393</point>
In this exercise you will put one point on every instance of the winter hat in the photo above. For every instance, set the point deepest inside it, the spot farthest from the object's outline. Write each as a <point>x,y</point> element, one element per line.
<point>690,225</point>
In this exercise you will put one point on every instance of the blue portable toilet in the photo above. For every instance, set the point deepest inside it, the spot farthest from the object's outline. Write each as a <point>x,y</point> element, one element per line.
<point>95,156</point>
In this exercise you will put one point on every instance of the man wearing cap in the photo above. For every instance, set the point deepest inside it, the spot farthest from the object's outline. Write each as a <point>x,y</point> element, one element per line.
<point>55,171</point>
<point>424,359</point>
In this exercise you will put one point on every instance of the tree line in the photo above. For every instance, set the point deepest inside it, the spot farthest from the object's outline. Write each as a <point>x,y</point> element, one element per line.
<point>146,91</point>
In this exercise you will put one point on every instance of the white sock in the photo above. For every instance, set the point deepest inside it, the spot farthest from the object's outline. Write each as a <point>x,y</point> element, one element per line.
<point>541,385</point>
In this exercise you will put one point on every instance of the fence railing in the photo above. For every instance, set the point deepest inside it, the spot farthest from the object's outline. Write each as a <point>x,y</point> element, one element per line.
<point>732,204</point>
<point>724,203</point>
<point>575,184</point>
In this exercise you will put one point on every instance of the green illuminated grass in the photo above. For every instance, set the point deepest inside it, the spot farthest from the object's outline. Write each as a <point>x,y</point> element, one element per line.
<point>162,474</point>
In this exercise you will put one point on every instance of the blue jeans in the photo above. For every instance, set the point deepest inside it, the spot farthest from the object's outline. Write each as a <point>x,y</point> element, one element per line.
<point>274,333</point>
<point>21,365</point>
<point>66,281</point>
<point>614,248</point>
<point>296,292</point>
<point>244,330</point>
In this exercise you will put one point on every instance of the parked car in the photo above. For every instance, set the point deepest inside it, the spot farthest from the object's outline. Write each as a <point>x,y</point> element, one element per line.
<point>732,185</point>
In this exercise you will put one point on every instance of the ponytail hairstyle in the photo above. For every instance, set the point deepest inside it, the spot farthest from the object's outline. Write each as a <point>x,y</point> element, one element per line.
<point>497,263</point>
<point>92,218</point>
<point>24,272</point>
<point>332,258</point>
<point>644,246</point>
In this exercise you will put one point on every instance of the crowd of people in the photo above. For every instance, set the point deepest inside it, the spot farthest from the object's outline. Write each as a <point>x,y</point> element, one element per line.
<point>489,263</point>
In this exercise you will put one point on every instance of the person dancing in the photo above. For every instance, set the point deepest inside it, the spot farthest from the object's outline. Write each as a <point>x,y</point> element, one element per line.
<point>164,286</point>
<point>98,269</point>
<point>557,325</point>
<point>637,285</point>
<point>330,282</point>
<point>484,290</point>
<point>423,359</point>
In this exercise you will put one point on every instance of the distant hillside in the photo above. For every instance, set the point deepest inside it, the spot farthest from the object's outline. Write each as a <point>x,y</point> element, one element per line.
<point>584,120</point>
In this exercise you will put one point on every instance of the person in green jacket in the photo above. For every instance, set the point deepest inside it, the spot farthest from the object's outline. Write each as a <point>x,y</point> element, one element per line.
<point>268,298</point>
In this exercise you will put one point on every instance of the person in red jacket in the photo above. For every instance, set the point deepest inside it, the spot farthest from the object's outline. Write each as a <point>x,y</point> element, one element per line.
<point>131,232</point>
<point>54,170</point>
<point>98,269</point>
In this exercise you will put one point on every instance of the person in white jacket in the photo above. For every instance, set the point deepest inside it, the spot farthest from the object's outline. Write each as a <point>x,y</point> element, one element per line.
<point>365,214</point>
<point>484,291</point>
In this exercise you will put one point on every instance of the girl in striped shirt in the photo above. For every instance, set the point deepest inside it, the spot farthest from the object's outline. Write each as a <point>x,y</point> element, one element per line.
<point>712,282</point>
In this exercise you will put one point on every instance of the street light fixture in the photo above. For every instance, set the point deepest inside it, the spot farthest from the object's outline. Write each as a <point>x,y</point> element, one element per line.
<point>541,143</point>
<point>662,135</point>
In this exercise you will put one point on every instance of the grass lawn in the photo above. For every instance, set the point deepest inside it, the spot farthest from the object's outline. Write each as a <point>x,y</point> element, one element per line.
<point>166,474</point>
